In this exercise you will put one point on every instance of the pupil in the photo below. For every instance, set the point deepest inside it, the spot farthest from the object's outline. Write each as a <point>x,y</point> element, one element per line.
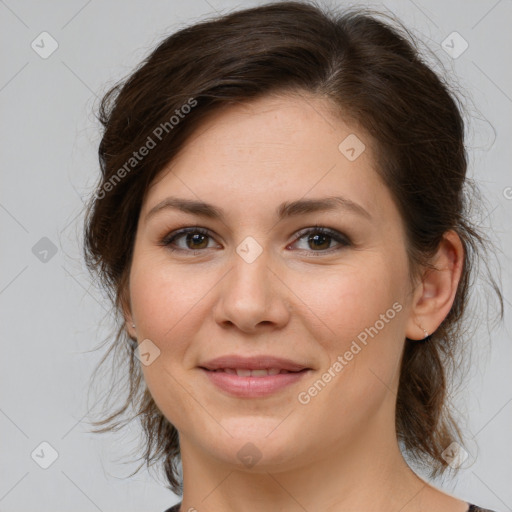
<point>316,237</point>
<point>194,238</point>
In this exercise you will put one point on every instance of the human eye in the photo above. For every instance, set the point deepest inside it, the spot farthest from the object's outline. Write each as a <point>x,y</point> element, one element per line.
<point>195,239</point>
<point>320,237</point>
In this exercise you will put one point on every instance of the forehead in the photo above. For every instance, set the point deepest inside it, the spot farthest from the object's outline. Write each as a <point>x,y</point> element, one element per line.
<point>269,150</point>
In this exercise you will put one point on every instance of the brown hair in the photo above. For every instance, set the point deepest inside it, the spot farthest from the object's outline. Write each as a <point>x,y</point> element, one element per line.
<point>370,71</point>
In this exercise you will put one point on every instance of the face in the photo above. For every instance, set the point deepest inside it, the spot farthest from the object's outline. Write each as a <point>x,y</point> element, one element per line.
<point>325,288</point>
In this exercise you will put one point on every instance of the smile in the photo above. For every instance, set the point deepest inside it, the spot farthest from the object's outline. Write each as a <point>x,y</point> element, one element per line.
<point>243,372</point>
<point>245,383</point>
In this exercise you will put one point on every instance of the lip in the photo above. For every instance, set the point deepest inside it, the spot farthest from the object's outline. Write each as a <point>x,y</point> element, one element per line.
<point>253,387</point>
<point>253,363</point>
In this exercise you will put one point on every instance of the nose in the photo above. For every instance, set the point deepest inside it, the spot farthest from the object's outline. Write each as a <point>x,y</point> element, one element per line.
<point>252,296</point>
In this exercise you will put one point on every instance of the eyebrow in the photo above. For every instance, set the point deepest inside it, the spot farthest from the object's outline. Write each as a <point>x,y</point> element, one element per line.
<point>285,210</point>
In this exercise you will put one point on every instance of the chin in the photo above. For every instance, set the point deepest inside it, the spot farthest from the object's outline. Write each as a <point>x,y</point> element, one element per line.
<point>253,443</point>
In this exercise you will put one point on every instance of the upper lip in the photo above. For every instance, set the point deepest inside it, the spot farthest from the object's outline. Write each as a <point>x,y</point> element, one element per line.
<point>252,363</point>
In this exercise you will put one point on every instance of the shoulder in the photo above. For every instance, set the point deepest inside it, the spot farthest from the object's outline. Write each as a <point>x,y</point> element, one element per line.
<point>473,508</point>
<point>174,508</point>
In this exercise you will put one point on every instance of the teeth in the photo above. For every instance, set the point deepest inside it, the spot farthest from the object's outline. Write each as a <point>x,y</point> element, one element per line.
<point>259,373</point>
<point>242,372</point>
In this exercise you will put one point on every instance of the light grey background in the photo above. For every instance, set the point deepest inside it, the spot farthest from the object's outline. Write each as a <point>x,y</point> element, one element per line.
<point>52,317</point>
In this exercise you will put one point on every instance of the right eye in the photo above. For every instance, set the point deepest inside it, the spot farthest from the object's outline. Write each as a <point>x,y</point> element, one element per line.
<point>194,239</point>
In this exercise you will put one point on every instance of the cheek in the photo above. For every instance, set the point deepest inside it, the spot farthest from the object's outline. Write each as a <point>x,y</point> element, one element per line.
<point>168,300</point>
<point>336,304</point>
<point>168,308</point>
<point>362,316</point>
<point>347,300</point>
<point>362,324</point>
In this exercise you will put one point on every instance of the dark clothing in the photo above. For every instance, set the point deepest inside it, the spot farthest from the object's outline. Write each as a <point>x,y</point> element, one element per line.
<point>472,508</point>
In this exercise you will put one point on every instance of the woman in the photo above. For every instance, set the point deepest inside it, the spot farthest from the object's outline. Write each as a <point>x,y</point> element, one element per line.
<point>281,221</point>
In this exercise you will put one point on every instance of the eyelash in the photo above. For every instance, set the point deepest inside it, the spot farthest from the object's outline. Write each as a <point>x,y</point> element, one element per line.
<point>331,233</point>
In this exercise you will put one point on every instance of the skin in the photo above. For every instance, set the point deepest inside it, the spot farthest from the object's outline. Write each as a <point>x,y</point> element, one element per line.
<point>293,301</point>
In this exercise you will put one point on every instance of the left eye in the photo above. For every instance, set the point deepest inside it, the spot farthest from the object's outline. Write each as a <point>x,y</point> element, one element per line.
<point>196,239</point>
<point>318,237</point>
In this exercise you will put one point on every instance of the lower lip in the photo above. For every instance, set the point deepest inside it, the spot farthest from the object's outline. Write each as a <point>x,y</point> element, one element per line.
<point>253,387</point>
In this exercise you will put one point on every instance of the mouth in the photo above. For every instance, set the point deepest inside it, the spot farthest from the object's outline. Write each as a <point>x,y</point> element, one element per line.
<point>267,362</point>
<point>258,383</point>
<point>245,372</point>
<point>253,376</point>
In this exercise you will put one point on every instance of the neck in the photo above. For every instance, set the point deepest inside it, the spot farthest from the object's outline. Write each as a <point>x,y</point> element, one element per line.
<point>367,473</point>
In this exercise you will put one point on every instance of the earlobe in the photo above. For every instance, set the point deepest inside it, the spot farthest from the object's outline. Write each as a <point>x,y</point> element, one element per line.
<point>124,301</point>
<point>130,327</point>
<point>436,291</point>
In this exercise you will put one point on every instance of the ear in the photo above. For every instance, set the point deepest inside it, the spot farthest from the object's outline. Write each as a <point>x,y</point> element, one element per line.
<point>434,295</point>
<point>124,301</point>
